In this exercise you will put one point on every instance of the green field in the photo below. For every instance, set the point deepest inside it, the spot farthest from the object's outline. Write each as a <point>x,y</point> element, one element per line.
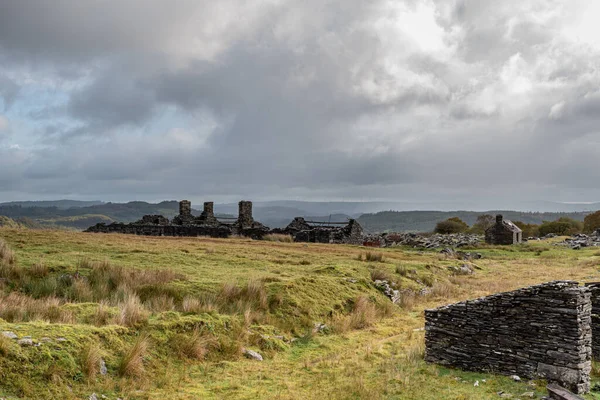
<point>171,316</point>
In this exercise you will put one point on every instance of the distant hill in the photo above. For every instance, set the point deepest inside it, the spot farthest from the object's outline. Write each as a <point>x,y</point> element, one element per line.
<point>60,204</point>
<point>275,214</point>
<point>424,221</point>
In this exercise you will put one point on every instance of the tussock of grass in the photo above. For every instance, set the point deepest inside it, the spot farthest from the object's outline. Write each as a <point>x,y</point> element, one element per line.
<point>132,313</point>
<point>278,237</point>
<point>402,270</point>
<point>132,362</point>
<point>194,346</point>
<point>15,307</point>
<point>90,360</point>
<point>380,275</point>
<point>371,257</point>
<point>6,346</point>
<point>7,256</point>
<point>363,314</point>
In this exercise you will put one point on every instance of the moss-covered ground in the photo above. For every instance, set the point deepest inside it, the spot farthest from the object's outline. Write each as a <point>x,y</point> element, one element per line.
<point>264,296</point>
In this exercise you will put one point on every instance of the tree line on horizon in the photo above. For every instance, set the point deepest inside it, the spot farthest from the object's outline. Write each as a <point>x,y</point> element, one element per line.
<point>562,226</point>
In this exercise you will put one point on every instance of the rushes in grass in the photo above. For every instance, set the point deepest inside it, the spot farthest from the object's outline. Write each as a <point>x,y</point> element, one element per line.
<point>160,303</point>
<point>16,307</point>
<point>7,256</point>
<point>371,257</point>
<point>363,314</point>
<point>278,237</point>
<point>6,346</point>
<point>132,312</point>
<point>132,363</point>
<point>194,346</point>
<point>198,305</point>
<point>402,270</point>
<point>380,275</point>
<point>102,316</point>
<point>91,357</point>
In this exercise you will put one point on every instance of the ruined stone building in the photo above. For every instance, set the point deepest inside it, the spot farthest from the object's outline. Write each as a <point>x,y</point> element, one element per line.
<point>324,232</point>
<point>545,331</point>
<point>186,224</point>
<point>503,232</point>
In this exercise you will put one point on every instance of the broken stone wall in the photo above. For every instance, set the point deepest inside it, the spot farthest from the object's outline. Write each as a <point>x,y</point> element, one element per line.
<point>539,331</point>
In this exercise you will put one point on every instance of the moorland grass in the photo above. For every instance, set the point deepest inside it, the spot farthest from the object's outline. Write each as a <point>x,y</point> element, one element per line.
<point>172,316</point>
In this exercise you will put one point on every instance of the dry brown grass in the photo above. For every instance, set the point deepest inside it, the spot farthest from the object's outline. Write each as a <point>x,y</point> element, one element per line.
<point>363,314</point>
<point>132,312</point>
<point>237,299</point>
<point>371,257</point>
<point>132,363</point>
<point>16,307</point>
<point>380,275</point>
<point>194,346</point>
<point>198,305</point>
<point>90,360</point>
<point>160,303</point>
<point>279,237</point>
<point>7,256</point>
<point>102,316</point>
<point>6,346</point>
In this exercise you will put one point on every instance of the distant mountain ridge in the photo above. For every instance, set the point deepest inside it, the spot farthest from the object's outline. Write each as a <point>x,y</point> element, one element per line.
<point>81,214</point>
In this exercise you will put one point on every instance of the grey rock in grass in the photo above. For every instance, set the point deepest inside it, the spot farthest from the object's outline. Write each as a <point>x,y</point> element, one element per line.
<point>25,342</point>
<point>9,334</point>
<point>103,369</point>
<point>386,288</point>
<point>253,355</point>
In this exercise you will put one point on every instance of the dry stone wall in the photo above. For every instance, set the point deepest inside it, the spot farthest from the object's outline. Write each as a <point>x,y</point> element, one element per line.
<point>595,293</point>
<point>540,331</point>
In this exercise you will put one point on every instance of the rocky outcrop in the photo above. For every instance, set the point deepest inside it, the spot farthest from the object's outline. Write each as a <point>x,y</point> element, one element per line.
<point>541,331</point>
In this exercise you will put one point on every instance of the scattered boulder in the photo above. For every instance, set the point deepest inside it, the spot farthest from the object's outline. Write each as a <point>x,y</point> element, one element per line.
<point>9,334</point>
<point>25,342</point>
<point>103,369</point>
<point>253,355</point>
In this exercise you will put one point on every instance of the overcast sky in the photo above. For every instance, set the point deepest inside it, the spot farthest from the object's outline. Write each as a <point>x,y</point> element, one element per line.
<point>481,100</point>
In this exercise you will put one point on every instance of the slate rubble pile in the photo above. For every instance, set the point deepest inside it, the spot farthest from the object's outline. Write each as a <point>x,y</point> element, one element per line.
<point>428,242</point>
<point>580,240</point>
<point>540,331</point>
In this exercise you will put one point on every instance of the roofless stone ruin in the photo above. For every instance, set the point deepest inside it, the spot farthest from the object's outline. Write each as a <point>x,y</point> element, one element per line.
<point>207,224</point>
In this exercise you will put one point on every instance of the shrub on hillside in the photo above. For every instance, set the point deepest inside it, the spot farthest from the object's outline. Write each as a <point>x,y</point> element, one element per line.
<point>451,225</point>
<point>591,223</point>
<point>483,222</point>
<point>562,226</point>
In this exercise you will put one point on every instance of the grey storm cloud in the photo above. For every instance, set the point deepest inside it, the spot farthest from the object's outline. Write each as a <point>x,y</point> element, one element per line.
<point>279,98</point>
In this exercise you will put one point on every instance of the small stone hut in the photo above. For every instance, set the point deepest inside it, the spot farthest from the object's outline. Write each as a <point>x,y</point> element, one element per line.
<point>503,232</point>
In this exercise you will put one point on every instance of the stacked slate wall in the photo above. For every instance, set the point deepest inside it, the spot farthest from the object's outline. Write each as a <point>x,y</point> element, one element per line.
<point>540,331</point>
<point>595,292</point>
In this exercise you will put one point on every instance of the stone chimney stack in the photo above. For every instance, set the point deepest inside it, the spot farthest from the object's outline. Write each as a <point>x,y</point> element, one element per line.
<point>245,219</point>
<point>208,214</point>
<point>185,208</point>
<point>499,219</point>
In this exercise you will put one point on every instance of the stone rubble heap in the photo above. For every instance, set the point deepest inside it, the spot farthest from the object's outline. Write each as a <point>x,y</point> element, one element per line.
<point>580,240</point>
<point>428,242</point>
<point>542,331</point>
